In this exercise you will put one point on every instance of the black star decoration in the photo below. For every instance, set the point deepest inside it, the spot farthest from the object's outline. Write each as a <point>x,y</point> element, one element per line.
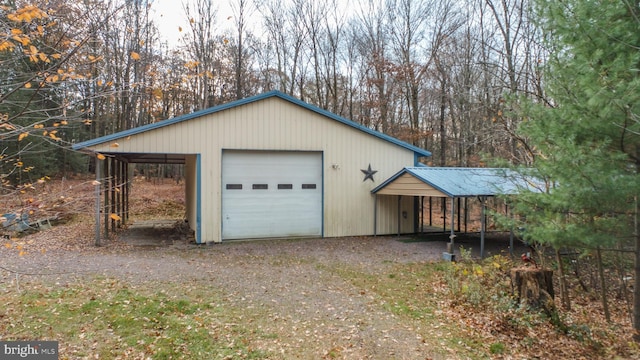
<point>368,173</point>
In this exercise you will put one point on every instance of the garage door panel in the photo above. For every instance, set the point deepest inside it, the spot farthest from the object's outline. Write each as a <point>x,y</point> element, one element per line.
<point>271,194</point>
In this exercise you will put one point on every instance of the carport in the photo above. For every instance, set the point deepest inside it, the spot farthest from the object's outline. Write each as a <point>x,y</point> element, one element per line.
<point>113,185</point>
<point>453,183</point>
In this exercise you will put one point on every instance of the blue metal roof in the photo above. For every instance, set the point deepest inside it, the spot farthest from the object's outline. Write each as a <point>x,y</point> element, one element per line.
<point>108,138</point>
<point>466,182</point>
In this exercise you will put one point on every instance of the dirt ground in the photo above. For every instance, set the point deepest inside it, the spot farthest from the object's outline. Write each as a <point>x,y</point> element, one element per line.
<point>306,302</point>
<point>314,308</point>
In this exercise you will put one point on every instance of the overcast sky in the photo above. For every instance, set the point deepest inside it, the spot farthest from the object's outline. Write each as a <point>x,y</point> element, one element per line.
<point>170,17</point>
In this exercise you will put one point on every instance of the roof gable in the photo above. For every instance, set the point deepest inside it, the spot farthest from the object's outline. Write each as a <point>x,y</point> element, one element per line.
<point>150,127</point>
<point>464,182</point>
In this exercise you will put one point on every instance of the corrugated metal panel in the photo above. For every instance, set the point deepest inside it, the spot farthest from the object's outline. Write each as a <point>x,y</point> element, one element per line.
<point>460,182</point>
<point>277,124</point>
<point>239,103</point>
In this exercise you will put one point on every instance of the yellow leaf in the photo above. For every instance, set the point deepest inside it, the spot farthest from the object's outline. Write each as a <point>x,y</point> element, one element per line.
<point>8,245</point>
<point>38,126</point>
<point>100,157</point>
<point>22,253</point>
<point>22,136</point>
<point>179,28</point>
<point>115,217</point>
<point>64,122</point>
<point>27,85</point>
<point>135,56</point>
<point>6,45</point>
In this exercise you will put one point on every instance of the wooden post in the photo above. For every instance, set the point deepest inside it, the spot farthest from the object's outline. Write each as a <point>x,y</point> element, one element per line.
<point>106,187</point>
<point>118,181</point>
<point>127,189</point>
<point>123,186</point>
<point>97,194</point>
<point>112,210</point>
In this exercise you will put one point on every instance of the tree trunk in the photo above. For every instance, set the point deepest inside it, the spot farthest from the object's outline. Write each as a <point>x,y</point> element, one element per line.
<point>564,294</point>
<point>534,287</point>
<point>636,283</point>
<point>603,286</point>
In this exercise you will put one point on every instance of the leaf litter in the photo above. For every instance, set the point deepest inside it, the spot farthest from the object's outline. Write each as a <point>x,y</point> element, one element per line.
<point>348,298</point>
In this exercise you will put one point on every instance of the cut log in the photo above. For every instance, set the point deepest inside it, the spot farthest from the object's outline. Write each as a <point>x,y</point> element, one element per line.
<point>533,287</point>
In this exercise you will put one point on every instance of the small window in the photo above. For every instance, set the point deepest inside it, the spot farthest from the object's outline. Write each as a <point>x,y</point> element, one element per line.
<point>234,186</point>
<point>260,186</point>
<point>285,186</point>
<point>308,186</point>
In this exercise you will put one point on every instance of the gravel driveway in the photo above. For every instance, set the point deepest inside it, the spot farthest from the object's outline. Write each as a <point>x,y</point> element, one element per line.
<point>312,308</point>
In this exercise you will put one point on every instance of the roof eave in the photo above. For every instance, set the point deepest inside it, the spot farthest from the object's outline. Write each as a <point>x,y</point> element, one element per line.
<point>418,152</point>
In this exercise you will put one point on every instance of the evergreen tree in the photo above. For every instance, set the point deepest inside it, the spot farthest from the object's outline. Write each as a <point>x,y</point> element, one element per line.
<point>587,143</point>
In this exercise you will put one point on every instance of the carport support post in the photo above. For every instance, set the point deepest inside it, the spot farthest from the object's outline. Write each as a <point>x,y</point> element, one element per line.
<point>508,211</point>
<point>97,193</point>
<point>430,211</point>
<point>453,220</point>
<point>375,215</point>
<point>483,226</point>
<point>107,186</point>
<point>459,206</point>
<point>399,213</point>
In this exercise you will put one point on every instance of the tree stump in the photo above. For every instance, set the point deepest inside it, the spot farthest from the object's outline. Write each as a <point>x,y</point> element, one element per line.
<point>534,287</point>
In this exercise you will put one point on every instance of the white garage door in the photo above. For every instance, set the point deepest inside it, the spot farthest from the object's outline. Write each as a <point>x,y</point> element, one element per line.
<point>268,194</point>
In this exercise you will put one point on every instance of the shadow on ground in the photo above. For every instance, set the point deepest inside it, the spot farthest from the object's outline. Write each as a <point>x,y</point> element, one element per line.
<point>163,233</point>
<point>158,233</point>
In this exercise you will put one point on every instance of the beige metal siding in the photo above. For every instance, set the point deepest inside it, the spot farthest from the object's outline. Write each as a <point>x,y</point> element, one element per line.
<point>407,184</point>
<point>276,124</point>
<point>190,171</point>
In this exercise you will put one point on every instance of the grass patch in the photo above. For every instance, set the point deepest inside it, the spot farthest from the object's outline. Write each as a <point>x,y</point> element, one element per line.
<point>415,292</point>
<point>113,320</point>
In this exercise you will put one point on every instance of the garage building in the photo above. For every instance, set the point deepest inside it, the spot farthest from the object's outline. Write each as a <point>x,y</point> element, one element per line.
<point>269,166</point>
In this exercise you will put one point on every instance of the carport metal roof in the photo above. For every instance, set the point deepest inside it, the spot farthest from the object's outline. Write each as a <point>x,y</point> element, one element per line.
<point>453,182</point>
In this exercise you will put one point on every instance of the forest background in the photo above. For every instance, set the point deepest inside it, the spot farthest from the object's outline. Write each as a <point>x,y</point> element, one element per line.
<point>552,86</point>
<point>433,73</point>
